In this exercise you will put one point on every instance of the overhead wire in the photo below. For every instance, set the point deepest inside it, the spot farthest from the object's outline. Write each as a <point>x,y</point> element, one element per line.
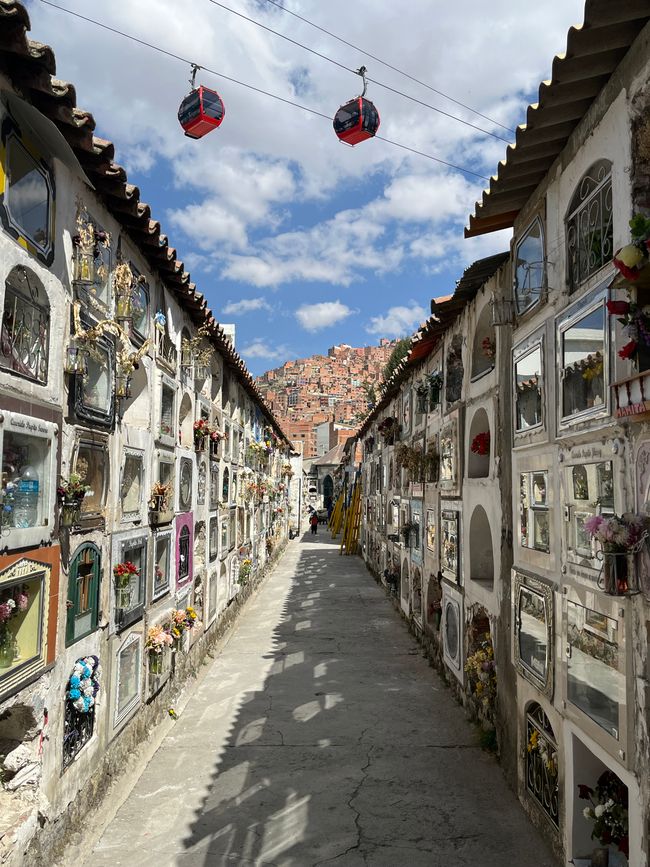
<point>252,87</point>
<point>389,65</point>
<point>349,69</point>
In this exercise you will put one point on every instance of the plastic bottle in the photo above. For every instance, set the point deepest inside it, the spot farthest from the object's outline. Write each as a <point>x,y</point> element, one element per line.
<point>26,498</point>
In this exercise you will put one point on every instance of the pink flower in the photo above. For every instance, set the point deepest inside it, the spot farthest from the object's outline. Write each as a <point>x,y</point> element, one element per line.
<point>22,601</point>
<point>5,611</point>
<point>592,525</point>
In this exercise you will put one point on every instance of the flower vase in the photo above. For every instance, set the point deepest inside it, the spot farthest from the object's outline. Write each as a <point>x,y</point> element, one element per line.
<point>6,653</point>
<point>619,574</point>
<point>600,857</point>
<point>69,515</point>
<point>199,444</point>
<point>155,663</point>
<point>124,597</point>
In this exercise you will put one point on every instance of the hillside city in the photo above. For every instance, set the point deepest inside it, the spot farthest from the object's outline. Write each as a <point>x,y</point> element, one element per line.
<point>321,401</point>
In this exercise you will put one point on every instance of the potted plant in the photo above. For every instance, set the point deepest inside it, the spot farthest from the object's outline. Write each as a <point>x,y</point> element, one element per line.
<point>70,494</point>
<point>124,574</point>
<point>620,538</point>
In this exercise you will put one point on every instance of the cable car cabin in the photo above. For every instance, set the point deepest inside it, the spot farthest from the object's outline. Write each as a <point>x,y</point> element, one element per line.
<point>201,111</point>
<point>356,121</point>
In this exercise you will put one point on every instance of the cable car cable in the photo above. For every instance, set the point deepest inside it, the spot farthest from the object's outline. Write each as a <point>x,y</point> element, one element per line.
<point>348,69</point>
<point>390,66</point>
<point>252,87</point>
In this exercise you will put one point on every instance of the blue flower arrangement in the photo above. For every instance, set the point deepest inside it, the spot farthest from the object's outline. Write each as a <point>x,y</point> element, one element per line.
<point>83,684</point>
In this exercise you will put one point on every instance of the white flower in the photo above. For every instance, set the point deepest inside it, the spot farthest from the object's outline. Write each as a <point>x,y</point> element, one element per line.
<point>79,704</point>
<point>588,813</point>
<point>78,668</point>
<point>85,683</point>
<point>11,603</point>
<point>600,809</point>
<point>609,804</point>
<point>89,691</point>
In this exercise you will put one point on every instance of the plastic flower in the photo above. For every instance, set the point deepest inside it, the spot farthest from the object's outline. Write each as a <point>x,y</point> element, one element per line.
<point>629,260</point>
<point>618,308</point>
<point>629,350</point>
<point>22,600</point>
<point>5,612</point>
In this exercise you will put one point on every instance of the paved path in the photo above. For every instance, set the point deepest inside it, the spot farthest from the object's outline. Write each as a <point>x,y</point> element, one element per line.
<point>321,736</point>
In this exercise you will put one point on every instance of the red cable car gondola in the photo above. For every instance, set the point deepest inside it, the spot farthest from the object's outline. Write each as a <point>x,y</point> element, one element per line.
<point>358,119</point>
<point>202,110</point>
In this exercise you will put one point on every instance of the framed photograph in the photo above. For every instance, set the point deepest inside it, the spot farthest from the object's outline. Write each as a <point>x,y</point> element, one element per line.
<point>431,530</point>
<point>450,472</point>
<point>449,541</point>
<point>533,631</point>
<point>580,483</point>
<point>582,539</point>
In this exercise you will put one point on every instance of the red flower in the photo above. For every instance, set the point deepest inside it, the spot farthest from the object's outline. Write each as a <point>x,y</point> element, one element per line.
<point>481,443</point>
<point>618,308</point>
<point>585,792</point>
<point>628,350</point>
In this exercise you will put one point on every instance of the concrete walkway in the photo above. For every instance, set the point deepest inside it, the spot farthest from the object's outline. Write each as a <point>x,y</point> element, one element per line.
<point>321,736</point>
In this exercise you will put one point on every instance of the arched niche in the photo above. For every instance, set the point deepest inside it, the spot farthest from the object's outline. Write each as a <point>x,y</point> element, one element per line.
<point>186,422</point>
<point>137,407</point>
<point>485,344</point>
<point>478,458</point>
<point>542,762</point>
<point>25,326</point>
<point>328,491</point>
<point>454,383</point>
<point>481,555</point>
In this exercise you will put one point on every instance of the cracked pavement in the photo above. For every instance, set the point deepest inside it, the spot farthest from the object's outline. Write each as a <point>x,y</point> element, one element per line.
<point>320,736</point>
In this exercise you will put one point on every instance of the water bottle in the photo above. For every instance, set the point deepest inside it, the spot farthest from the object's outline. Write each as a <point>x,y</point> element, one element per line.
<point>26,499</point>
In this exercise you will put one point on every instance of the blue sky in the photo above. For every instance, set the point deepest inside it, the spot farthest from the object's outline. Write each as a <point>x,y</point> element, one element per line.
<point>301,241</point>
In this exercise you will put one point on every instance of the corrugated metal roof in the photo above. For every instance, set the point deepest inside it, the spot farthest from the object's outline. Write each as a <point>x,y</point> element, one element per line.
<point>31,67</point>
<point>593,52</point>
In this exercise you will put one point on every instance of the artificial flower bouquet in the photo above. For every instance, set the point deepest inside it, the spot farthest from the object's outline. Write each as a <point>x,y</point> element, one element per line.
<point>537,743</point>
<point>159,637</point>
<point>71,491</point>
<point>481,443</point>
<point>83,684</point>
<point>159,497</point>
<point>201,431</point>
<point>618,535</point>
<point>123,573</point>
<point>489,348</point>
<point>608,810</point>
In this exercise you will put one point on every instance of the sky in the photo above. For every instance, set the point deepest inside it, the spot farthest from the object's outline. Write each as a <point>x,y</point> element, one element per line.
<point>299,240</point>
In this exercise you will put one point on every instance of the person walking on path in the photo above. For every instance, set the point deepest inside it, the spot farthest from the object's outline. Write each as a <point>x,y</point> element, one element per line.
<point>313,521</point>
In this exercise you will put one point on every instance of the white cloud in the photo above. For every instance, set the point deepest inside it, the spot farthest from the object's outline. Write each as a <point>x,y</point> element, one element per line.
<point>260,348</point>
<point>246,305</point>
<point>314,317</point>
<point>235,188</point>
<point>398,322</point>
